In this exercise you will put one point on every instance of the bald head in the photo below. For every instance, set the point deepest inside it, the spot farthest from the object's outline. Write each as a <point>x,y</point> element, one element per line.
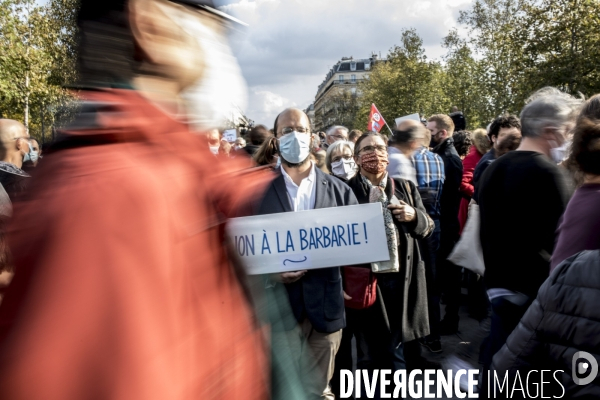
<point>14,143</point>
<point>410,124</point>
<point>408,135</point>
<point>11,129</point>
<point>291,118</point>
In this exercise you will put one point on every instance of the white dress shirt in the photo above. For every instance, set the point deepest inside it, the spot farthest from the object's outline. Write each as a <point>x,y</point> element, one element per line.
<point>302,197</point>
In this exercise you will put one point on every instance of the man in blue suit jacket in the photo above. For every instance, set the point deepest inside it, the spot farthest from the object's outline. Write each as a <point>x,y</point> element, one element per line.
<point>316,296</point>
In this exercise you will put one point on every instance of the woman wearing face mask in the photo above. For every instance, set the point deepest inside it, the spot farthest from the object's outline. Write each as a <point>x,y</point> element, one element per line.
<point>214,140</point>
<point>340,160</point>
<point>399,314</point>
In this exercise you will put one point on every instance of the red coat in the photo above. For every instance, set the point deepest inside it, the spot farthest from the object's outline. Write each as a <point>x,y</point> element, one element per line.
<point>123,289</point>
<point>466,185</point>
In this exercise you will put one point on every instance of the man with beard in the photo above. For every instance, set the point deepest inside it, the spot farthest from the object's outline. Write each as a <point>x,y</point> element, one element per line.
<point>505,135</point>
<point>315,296</point>
<point>124,288</point>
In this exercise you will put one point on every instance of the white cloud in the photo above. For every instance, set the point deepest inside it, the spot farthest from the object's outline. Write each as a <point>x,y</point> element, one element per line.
<point>291,44</point>
<point>265,105</point>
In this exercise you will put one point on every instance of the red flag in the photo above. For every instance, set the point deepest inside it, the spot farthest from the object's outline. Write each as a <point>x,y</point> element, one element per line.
<point>376,121</point>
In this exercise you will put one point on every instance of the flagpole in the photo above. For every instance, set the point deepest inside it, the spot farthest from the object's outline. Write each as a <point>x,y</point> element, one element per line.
<point>386,124</point>
<point>391,133</point>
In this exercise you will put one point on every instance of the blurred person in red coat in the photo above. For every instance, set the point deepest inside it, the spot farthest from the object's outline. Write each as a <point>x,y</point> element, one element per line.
<point>481,145</point>
<point>123,287</point>
<point>477,300</point>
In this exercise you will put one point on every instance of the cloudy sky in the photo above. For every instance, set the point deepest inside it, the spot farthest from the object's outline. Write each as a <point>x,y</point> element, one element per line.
<point>291,44</point>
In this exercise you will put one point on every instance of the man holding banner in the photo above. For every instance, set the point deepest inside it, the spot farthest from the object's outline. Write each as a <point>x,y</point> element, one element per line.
<point>315,296</point>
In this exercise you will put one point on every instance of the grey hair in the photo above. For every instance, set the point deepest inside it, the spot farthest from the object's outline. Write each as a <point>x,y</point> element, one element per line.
<point>336,127</point>
<point>337,146</point>
<point>548,107</point>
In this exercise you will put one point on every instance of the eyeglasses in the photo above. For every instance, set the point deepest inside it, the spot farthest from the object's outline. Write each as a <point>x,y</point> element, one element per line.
<point>370,149</point>
<point>289,129</point>
<point>338,137</point>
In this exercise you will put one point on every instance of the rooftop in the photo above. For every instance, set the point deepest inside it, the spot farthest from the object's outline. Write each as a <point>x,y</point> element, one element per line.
<point>349,64</point>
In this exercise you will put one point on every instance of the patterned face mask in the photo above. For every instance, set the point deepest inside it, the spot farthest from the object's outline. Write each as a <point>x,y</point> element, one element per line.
<point>374,163</point>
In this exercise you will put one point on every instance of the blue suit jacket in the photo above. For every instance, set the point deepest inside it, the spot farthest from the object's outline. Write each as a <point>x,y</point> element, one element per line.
<point>318,294</point>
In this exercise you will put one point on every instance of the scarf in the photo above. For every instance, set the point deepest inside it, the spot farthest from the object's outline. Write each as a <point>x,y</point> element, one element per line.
<point>377,194</point>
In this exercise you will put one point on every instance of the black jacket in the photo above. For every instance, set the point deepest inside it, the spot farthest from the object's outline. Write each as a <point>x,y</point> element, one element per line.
<point>460,123</point>
<point>563,320</point>
<point>487,159</point>
<point>450,199</point>
<point>522,196</point>
<point>408,320</point>
<point>13,179</point>
<point>318,294</point>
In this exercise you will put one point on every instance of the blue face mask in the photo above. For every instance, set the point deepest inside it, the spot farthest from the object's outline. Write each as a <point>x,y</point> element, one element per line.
<point>294,147</point>
<point>32,155</point>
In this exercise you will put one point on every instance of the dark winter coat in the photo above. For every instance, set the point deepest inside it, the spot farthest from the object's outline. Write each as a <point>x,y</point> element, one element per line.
<point>460,123</point>
<point>408,320</point>
<point>450,199</point>
<point>563,320</point>
<point>318,294</point>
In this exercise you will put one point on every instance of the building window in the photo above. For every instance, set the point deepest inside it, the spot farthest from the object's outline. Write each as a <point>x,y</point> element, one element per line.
<point>341,78</point>
<point>353,78</point>
<point>352,66</point>
<point>367,66</point>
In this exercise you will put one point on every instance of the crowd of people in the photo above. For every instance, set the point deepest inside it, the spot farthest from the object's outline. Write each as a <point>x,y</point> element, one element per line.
<point>118,280</point>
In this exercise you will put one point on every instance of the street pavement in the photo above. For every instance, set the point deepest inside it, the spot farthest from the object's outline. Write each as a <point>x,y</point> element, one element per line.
<point>459,351</point>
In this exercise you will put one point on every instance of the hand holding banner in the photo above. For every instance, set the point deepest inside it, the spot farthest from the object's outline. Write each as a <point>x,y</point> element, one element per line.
<point>327,237</point>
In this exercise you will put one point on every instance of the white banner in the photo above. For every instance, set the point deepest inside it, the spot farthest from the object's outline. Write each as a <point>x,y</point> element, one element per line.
<point>230,135</point>
<point>414,117</point>
<point>327,237</point>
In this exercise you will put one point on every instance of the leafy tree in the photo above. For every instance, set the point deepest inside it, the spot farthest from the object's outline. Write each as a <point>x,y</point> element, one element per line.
<point>465,84</point>
<point>37,59</point>
<point>342,109</point>
<point>406,83</point>
<point>562,45</point>
<point>494,30</point>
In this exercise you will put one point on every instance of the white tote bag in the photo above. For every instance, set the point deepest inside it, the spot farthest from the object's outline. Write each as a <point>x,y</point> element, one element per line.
<point>467,253</point>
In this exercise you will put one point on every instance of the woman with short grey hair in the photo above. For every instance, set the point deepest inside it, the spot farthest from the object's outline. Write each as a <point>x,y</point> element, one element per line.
<point>339,159</point>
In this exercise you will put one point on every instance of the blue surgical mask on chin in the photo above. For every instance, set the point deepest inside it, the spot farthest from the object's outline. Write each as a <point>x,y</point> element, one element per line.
<point>31,155</point>
<point>294,147</point>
